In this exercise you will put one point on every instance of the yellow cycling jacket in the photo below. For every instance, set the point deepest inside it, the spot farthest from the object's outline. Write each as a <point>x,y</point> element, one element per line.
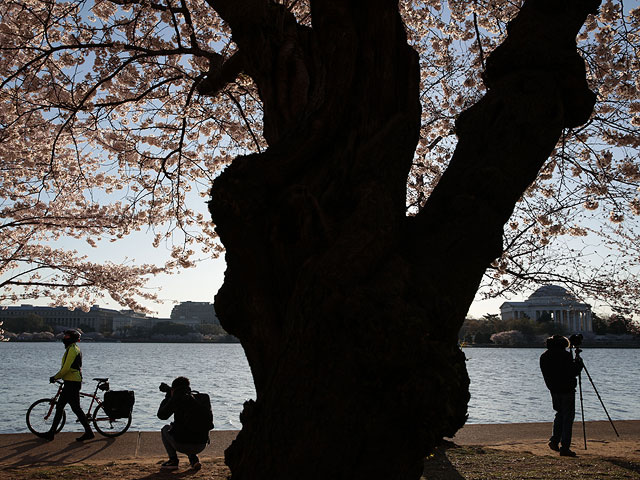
<point>71,365</point>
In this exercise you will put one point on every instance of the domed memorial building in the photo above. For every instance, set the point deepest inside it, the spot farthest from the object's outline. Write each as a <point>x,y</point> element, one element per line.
<point>561,305</point>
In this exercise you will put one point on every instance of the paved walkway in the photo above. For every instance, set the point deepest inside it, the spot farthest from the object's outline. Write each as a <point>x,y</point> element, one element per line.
<point>27,449</point>
<point>496,434</point>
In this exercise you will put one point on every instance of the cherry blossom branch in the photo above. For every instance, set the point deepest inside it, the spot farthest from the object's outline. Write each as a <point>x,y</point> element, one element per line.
<point>246,121</point>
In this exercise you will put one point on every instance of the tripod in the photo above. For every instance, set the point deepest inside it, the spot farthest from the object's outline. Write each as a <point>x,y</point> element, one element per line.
<point>584,430</point>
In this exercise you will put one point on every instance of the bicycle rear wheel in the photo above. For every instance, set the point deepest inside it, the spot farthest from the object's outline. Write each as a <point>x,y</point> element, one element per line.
<point>40,416</point>
<point>109,427</point>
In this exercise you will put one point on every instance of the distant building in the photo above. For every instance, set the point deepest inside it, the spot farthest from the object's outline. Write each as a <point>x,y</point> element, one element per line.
<point>96,319</point>
<point>129,319</point>
<point>108,320</point>
<point>561,306</point>
<point>194,313</point>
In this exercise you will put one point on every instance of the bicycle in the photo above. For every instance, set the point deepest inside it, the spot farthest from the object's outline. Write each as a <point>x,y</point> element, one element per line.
<point>41,412</point>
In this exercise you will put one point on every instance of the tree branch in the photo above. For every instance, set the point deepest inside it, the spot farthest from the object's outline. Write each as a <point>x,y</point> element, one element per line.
<point>536,88</point>
<point>221,72</point>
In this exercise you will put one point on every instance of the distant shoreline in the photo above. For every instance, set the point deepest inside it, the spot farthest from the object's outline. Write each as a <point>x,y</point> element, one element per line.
<point>137,340</point>
<point>629,345</point>
<point>233,340</point>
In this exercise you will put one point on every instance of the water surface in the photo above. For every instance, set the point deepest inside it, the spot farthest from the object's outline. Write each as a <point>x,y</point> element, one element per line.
<point>506,384</point>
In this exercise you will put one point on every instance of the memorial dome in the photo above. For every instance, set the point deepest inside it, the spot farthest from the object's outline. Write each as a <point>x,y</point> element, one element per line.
<point>551,291</point>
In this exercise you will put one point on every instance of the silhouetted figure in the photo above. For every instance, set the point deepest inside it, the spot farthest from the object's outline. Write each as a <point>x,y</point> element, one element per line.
<point>182,435</point>
<point>71,374</point>
<point>560,370</point>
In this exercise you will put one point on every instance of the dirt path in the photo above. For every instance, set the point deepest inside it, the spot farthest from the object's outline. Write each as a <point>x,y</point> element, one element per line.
<point>451,463</point>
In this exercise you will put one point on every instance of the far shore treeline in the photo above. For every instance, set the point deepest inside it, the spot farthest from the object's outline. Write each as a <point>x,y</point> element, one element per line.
<point>32,328</point>
<point>490,330</point>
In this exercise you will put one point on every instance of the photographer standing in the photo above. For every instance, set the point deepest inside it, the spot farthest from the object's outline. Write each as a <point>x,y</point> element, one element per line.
<point>560,370</point>
<point>189,431</point>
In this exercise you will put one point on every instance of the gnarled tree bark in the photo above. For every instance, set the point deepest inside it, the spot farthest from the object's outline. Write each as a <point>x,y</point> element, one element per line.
<point>347,309</point>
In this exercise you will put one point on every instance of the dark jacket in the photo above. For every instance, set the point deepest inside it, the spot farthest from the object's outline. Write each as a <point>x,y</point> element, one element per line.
<point>177,405</point>
<point>559,370</point>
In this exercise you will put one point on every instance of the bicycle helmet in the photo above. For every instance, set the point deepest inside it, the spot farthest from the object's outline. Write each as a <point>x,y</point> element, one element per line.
<point>70,337</point>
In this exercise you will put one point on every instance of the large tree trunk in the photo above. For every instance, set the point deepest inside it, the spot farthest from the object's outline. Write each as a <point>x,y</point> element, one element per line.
<point>348,311</point>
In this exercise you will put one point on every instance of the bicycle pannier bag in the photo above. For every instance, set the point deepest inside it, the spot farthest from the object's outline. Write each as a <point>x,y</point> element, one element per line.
<point>119,403</point>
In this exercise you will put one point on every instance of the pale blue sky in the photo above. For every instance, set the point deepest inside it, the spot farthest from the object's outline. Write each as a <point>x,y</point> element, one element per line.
<point>193,284</point>
<point>203,281</point>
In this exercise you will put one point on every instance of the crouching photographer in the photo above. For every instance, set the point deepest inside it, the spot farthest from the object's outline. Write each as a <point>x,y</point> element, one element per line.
<point>192,421</point>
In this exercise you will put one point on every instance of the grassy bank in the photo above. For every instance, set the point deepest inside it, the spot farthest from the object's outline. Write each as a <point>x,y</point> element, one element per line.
<point>455,463</point>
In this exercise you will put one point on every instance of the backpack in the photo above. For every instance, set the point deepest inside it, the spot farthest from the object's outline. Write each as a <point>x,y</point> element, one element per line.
<point>198,417</point>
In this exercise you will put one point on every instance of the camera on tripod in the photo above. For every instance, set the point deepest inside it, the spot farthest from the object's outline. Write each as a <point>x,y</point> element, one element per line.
<point>575,341</point>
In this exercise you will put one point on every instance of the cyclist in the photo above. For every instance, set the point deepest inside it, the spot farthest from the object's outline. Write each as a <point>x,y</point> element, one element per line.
<point>71,374</point>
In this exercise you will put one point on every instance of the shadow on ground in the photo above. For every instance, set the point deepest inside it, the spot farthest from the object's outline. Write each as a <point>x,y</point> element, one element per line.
<point>438,466</point>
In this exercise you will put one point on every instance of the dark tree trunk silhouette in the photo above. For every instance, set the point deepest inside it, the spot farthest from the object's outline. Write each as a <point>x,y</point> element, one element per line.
<point>347,309</point>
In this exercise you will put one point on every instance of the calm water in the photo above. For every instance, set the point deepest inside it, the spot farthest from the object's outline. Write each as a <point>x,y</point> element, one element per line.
<point>221,370</point>
<point>506,384</point>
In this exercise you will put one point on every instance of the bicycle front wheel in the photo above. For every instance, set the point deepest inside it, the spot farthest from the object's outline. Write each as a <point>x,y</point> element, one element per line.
<point>109,427</point>
<point>40,416</point>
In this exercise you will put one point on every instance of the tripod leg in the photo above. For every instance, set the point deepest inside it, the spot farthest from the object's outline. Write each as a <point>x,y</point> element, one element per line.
<point>601,402</point>
<point>584,428</point>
